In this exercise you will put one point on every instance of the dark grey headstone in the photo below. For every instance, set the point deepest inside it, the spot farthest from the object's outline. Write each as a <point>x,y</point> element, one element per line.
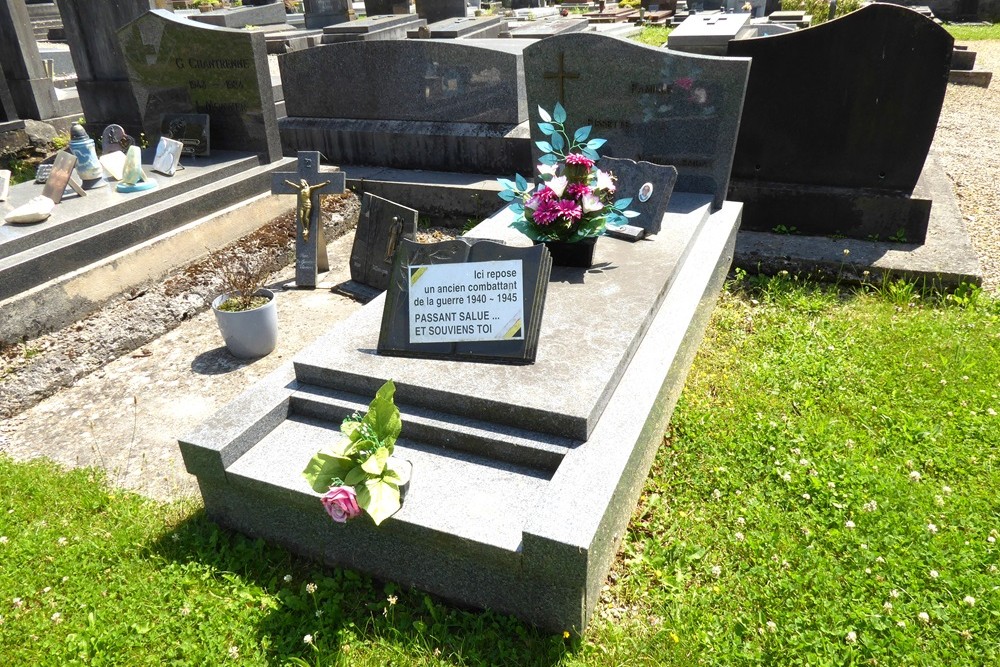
<point>650,104</point>
<point>513,334</point>
<point>419,80</point>
<point>382,226</point>
<point>849,105</point>
<point>438,10</point>
<point>383,7</point>
<point>649,185</point>
<point>310,243</point>
<point>238,17</point>
<point>321,13</point>
<point>178,66</point>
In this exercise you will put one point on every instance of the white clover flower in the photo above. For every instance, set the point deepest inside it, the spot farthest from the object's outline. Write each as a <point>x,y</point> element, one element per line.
<point>991,412</point>
<point>18,602</point>
<point>806,496</point>
<point>739,536</point>
<point>901,624</point>
<point>287,578</point>
<point>932,529</point>
<point>57,617</point>
<point>851,637</point>
<point>716,570</point>
<point>946,489</point>
<point>831,485</point>
<point>934,574</point>
<point>772,627</point>
<point>319,612</point>
<point>939,501</point>
<point>966,634</point>
<point>803,462</point>
<point>185,611</point>
<point>879,560</point>
<point>991,539</point>
<point>863,546</point>
<point>849,524</point>
<point>308,639</point>
<point>888,607</point>
<point>740,521</point>
<point>787,477</point>
<point>796,451</point>
<point>969,600</point>
<point>914,476</point>
<point>924,617</point>
<point>62,541</point>
<point>234,652</point>
<point>716,494</point>
<point>310,588</point>
<point>870,506</point>
<point>3,539</point>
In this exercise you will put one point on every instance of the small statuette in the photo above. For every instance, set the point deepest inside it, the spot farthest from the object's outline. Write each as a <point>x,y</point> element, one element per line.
<point>36,209</point>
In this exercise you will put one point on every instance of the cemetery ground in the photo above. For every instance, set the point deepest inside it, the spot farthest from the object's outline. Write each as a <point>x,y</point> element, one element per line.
<point>825,494</point>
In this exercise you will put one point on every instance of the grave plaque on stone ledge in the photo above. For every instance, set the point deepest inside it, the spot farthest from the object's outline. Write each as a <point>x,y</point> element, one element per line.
<point>649,185</point>
<point>178,66</point>
<point>382,226</point>
<point>465,299</point>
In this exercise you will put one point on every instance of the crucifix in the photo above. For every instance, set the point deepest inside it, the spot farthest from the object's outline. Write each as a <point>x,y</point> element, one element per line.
<point>310,242</point>
<point>561,75</point>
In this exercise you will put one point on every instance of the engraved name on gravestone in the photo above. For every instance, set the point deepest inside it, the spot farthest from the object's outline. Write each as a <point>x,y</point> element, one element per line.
<point>465,299</point>
<point>178,66</point>
<point>382,226</point>
<point>308,183</point>
<point>650,104</point>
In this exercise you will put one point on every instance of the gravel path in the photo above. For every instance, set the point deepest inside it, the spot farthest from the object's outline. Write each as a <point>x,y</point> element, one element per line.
<point>967,144</point>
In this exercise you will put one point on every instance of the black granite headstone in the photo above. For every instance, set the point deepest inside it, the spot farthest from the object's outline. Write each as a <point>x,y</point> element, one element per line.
<point>649,185</point>
<point>382,226</point>
<point>178,66</point>
<point>837,122</point>
<point>308,183</point>
<point>465,299</point>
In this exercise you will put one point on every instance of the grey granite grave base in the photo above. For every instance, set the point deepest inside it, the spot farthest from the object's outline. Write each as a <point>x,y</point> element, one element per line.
<point>525,477</point>
<point>463,147</point>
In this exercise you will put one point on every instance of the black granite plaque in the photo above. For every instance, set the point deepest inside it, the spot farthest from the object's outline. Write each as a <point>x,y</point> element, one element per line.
<point>465,299</point>
<point>649,104</point>
<point>191,129</point>
<point>178,66</point>
<point>308,183</point>
<point>649,185</point>
<point>846,108</point>
<point>382,225</point>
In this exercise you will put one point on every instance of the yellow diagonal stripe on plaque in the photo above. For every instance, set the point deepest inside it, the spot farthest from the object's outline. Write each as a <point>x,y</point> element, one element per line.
<point>513,330</point>
<point>416,275</point>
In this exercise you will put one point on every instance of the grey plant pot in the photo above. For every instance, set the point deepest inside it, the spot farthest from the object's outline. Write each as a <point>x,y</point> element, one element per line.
<point>250,333</point>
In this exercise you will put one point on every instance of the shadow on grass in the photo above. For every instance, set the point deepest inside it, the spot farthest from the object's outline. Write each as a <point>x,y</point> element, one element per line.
<point>352,618</point>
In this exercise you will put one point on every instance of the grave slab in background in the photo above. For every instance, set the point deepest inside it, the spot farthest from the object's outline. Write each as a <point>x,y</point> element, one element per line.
<point>837,123</point>
<point>650,104</point>
<point>548,28</point>
<point>438,10</point>
<point>504,510</point>
<point>708,34</point>
<point>372,29</point>
<point>178,66</point>
<point>239,17</point>
<point>466,27</point>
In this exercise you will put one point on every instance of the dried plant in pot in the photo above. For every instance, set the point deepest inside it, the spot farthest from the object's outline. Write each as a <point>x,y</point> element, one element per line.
<point>245,310</point>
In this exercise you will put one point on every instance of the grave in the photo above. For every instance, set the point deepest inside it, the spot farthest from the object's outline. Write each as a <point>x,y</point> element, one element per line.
<point>708,35</point>
<point>655,105</point>
<point>446,105</point>
<point>321,13</point>
<point>433,11</point>
<point>548,27</point>
<point>466,27</point>
<point>371,29</point>
<point>381,7</point>
<point>504,510</point>
<point>238,17</point>
<point>30,88</point>
<point>178,66</point>
<point>837,124</point>
<point>382,225</point>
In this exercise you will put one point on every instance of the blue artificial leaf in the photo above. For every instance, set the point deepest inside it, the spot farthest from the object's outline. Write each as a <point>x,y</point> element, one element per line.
<point>582,133</point>
<point>507,195</point>
<point>517,207</point>
<point>557,142</point>
<point>522,184</point>
<point>545,146</point>
<point>592,154</point>
<point>544,115</point>
<point>506,184</point>
<point>596,143</point>
<point>559,114</point>
<point>549,159</point>
<point>622,204</point>
<point>547,128</point>
<point>615,220</point>
<point>631,214</point>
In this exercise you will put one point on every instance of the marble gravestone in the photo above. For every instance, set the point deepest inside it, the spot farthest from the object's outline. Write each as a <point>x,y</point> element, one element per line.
<point>178,66</point>
<point>838,121</point>
<point>382,226</point>
<point>308,183</point>
<point>650,104</point>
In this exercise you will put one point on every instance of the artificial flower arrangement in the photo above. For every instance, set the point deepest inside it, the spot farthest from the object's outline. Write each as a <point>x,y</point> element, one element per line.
<point>574,200</point>
<point>358,473</point>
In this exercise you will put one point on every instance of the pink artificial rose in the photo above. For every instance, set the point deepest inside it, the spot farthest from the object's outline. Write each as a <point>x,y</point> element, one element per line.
<point>341,503</point>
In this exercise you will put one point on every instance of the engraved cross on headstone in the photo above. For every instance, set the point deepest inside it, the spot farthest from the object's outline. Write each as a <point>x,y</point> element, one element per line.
<point>561,75</point>
<point>310,242</point>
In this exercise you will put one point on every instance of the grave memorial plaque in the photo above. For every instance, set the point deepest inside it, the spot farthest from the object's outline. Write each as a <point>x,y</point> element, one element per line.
<point>649,185</point>
<point>650,104</point>
<point>178,66</point>
<point>114,138</point>
<point>308,183</point>
<point>382,225</point>
<point>465,299</point>
<point>191,129</point>
<point>59,178</point>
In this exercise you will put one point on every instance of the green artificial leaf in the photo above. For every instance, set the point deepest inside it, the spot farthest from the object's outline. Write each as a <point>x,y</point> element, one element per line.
<point>355,476</point>
<point>351,428</point>
<point>545,146</point>
<point>397,471</point>
<point>375,464</point>
<point>594,144</point>
<point>623,203</point>
<point>522,183</point>
<point>380,499</point>
<point>558,143</point>
<point>544,115</point>
<point>546,128</point>
<point>558,113</point>
<point>582,133</point>
<point>383,416</point>
<point>323,468</point>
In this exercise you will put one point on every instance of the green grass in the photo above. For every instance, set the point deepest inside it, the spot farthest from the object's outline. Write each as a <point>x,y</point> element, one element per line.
<point>807,408</point>
<point>970,33</point>
<point>653,35</point>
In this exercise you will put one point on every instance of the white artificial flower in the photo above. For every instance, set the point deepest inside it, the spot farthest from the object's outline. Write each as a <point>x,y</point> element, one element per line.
<point>603,181</point>
<point>558,185</point>
<point>548,169</point>
<point>591,203</point>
